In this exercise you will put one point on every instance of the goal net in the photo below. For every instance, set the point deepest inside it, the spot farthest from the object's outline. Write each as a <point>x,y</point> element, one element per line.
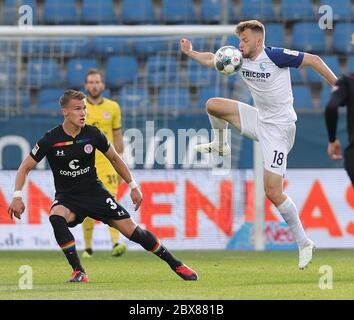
<point>162,95</point>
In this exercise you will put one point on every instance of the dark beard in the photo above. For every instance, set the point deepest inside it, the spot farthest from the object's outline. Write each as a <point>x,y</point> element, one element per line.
<point>95,96</point>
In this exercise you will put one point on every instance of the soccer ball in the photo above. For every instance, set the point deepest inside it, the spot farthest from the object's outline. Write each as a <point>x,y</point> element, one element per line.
<point>228,60</point>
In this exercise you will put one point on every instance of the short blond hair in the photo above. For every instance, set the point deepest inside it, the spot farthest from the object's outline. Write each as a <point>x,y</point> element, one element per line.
<point>70,95</point>
<point>253,25</point>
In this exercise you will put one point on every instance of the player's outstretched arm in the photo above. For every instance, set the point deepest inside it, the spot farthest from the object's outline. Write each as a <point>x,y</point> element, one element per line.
<point>122,169</point>
<point>338,98</point>
<point>320,67</point>
<point>205,58</point>
<point>17,207</point>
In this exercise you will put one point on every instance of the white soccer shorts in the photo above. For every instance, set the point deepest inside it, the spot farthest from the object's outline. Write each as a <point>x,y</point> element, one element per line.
<point>276,140</point>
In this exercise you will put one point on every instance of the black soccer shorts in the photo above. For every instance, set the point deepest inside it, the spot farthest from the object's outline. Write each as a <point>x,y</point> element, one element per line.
<point>98,204</point>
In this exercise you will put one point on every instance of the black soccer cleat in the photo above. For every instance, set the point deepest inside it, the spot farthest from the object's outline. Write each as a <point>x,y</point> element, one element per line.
<point>186,273</point>
<point>78,276</point>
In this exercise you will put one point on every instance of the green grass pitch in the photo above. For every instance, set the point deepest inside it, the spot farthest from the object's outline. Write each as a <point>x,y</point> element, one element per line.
<point>229,275</point>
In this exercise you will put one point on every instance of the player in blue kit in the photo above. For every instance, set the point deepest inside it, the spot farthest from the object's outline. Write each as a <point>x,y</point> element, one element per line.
<point>266,72</point>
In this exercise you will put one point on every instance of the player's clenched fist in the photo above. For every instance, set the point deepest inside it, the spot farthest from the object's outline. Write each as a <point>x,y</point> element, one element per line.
<point>16,208</point>
<point>186,45</point>
<point>137,197</point>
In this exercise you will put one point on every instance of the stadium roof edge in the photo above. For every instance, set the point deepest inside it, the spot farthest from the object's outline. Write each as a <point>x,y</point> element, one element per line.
<point>150,30</point>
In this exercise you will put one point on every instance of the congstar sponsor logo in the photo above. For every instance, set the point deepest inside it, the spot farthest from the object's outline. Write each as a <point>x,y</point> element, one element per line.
<point>74,165</point>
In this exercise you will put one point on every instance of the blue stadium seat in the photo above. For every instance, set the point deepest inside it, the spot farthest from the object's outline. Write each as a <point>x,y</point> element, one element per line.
<point>121,70</point>
<point>174,98</point>
<point>178,12</point>
<point>76,69</point>
<point>48,98</point>
<point>43,73</point>
<point>150,45</point>
<point>10,11</point>
<point>110,45</point>
<point>312,76</point>
<point>296,10</point>
<point>308,36</point>
<point>332,62</point>
<point>350,66</point>
<point>226,41</point>
<point>98,12</point>
<point>342,10</point>
<point>162,70</point>
<point>134,97</point>
<point>342,37</point>
<point>206,93</point>
<point>69,47</point>
<point>35,47</point>
<point>9,98</point>
<point>302,97</point>
<point>138,12</point>
<point>60,12</point>
<point>66,47</point>
<point>324,96</point>
<point>199,75</point>
<point>296,75</point>
<point>275,35</point>
<point>257,9</point>
<point>211,11</point>
<point>8,71</point>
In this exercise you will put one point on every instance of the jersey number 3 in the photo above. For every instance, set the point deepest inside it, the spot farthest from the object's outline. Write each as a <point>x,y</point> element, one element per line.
<point>112,204</point>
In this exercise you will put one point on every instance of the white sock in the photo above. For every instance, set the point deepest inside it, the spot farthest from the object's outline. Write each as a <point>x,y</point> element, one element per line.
<point>290,214</point>
<point>220,129</point>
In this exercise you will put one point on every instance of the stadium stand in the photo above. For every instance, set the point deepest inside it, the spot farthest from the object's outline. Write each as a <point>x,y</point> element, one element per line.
<point>138,12</point>
<point>98,12</point>
<point>60,12</point>
<point>76,70</point>
<point>296,10</point>
<point>151,64</point>
<point>307,36</point>
<point>175,98</point>
<point>181,11</point>
<point>43,73</point>
<point>342,10</point>
<point>257,9</point>
<point>342,37</point>
<point>302,97</point>
<point>134,97</point>
<point>10,10</point>
<point>121,70</point>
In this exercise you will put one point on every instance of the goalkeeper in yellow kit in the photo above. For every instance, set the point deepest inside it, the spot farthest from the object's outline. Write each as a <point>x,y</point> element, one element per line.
<point>105,114</point>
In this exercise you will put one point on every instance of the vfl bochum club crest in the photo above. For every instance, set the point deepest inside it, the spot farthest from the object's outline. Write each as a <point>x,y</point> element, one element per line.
<point>88,148</point>
<point>262,66</point>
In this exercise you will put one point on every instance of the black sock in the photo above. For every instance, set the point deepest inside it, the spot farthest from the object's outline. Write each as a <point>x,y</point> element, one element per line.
<point>149,242</point>
<point>66,241</point>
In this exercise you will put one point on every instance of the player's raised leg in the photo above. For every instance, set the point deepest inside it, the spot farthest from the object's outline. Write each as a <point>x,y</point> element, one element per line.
<point>221,111</point>
<point>151,243</point>
<point>59,218</point>
<point>273,187</point>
